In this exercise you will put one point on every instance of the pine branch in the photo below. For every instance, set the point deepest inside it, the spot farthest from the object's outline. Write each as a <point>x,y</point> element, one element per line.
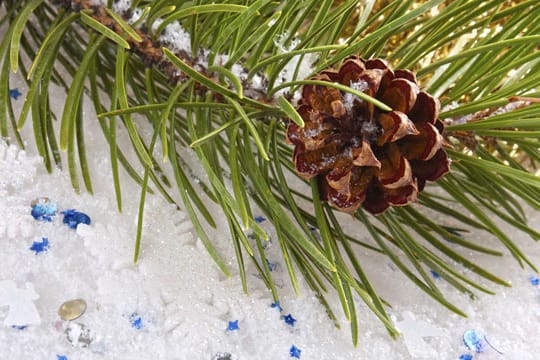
<point>480,57</point>
<point>140,42</point>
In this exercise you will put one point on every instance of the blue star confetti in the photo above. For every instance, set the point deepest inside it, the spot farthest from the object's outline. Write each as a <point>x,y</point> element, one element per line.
<point>435,274</point>
<point>455,232</point>
<point>267,243</point>
<point>534,280</point>
<point>259,219</point>
<point>43,209</point>
<point>233,325</point>
<point>271,265</point>
<point>289,320</point>
<point>19,327</point>
<point>73,218</point>
<point>315,232</point>
<point>14,93</point>
<point>465,357</point>
<point>295,352</point>
<point>277,306</point>
<point>61,357</point>
<point>40,246</point>
<point>474,341</point>
<point>136,321</point>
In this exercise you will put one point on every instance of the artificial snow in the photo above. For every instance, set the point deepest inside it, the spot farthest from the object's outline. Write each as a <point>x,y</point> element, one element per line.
<point>175,304</point>
<point>298,67</point>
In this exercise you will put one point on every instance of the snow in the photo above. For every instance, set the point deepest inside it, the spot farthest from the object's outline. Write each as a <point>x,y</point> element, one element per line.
<point>175,36</point>
<point>121,6</point>
<point>298,67</point>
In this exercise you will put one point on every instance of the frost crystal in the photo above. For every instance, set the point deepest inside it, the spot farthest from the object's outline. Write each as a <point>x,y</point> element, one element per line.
<point>370,129</point>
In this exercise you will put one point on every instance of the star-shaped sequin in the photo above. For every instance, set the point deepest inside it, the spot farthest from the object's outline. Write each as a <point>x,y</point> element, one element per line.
<point>136,321</point>
<point>14,93</point>
<point>73,218</point>
<point>40,246</point>
<point>289,320</point>
<point>233,325</point>
<point>277,306</point>
<point>295,352</point>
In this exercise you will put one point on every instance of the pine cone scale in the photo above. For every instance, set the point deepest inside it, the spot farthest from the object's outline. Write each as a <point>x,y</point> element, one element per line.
<point>400,95</point>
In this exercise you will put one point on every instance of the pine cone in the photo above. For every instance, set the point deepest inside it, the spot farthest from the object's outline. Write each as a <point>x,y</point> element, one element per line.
<point>360,154</point>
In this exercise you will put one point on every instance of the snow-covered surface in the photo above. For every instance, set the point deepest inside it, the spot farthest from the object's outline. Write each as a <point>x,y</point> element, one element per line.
<point>185,304</point>
<point>175,304</point>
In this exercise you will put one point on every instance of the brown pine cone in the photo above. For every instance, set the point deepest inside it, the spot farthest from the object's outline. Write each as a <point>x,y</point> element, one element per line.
<point>360,154</point>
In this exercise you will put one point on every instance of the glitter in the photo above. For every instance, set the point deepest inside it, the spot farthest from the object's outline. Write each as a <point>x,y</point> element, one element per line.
<point>534,280</point>
<point>474,341</point>
<point>465,357</point>
<point>233,325</point>
<point>136,321</point>
<point>43,209</point>
<point>40,246</point>
<point>259,219</point>
<point>19,327</point>
<point>222,356</point>
<point>277,306</point>
<point>14,93</point>
<point>295,352</point>
<point>289,320</point>
<point>61,357</point>
<point>78,334</point>
<point>73,218</point>
<point>435,274</point>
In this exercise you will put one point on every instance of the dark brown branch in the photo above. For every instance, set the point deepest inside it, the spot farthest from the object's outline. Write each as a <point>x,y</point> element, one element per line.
<point>150,50</point>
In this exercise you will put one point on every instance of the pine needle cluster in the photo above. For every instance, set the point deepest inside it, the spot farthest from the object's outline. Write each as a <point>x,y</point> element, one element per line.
<point>228,86</point>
